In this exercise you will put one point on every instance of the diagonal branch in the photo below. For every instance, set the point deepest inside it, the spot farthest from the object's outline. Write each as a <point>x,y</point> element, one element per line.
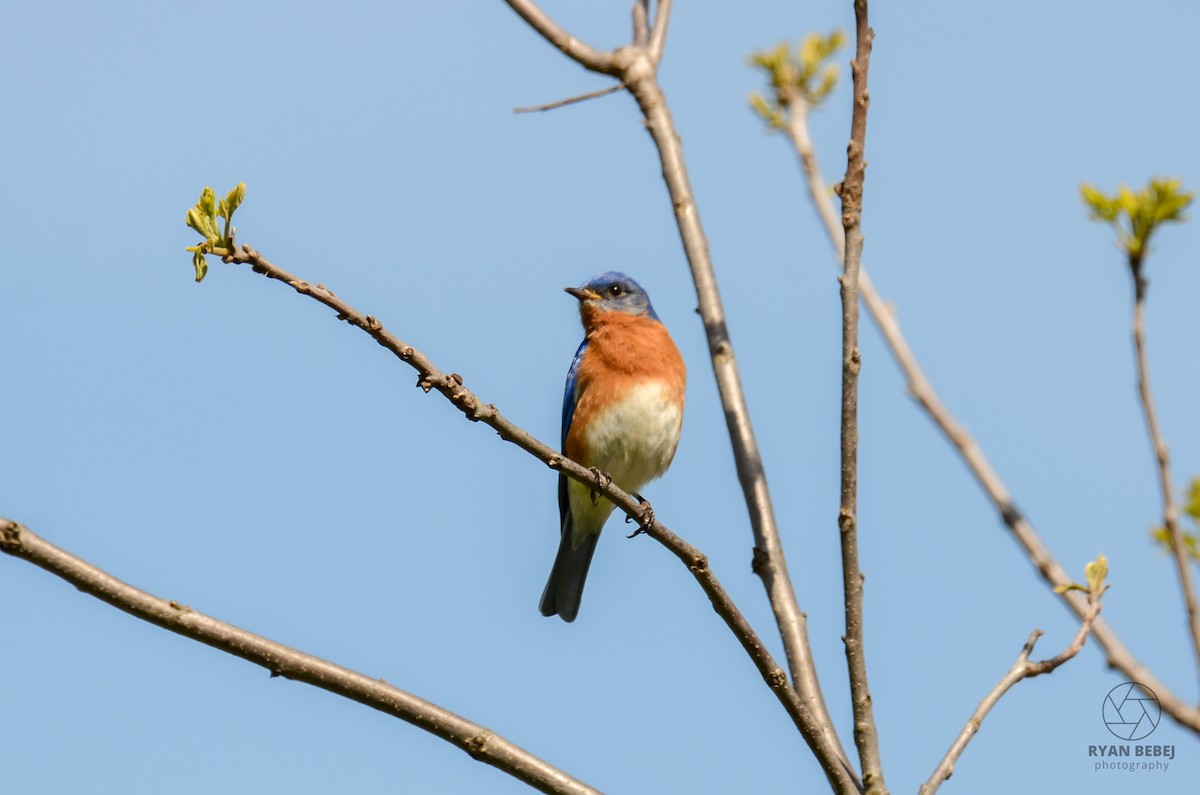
<point>822,743</point>
<point>481,743</point>
<point>1021,669</point>
<point>583,54</point>
<point>601,92</point>
<point>1161,454</point>
<point>851,191</point>
<point>818,191</point>
<point>919,388</point>
<point>638,70</point>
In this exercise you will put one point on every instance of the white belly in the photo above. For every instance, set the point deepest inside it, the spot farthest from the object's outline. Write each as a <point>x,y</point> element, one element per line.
<point>633,441</point>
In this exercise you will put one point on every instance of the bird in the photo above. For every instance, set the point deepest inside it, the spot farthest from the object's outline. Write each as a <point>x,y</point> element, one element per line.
<point>622,414</point>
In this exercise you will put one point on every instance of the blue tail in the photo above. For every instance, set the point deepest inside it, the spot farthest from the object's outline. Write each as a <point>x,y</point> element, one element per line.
<point>564,589</point>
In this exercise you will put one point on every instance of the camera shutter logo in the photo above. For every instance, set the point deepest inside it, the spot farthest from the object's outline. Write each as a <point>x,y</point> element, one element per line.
<point>1131,711</point>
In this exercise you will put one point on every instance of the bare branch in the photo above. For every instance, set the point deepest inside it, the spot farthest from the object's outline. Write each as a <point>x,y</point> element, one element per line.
<point>573,48</point>
<point>481,743</point>
<point>851,191</point>
<point>972,455</point>
<point>840,774</point>
<point>797,127</point>
<point>641,23</point>
<point>451,387</point>
<point>1161,454</point>
<point>658,37</point>
<point>1021,669</point>
<point>769,562</point>
<point>636,68</point>
<point>603,92</point>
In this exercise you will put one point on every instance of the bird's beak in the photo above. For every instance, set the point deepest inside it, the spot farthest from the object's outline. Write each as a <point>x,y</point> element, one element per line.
<point>583,294</point>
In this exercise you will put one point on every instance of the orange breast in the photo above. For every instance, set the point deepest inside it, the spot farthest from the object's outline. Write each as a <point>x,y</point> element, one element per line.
<point>623,351</point>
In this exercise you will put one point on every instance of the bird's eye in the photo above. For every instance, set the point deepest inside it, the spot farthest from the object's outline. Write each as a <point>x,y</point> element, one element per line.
<point>615,290</point>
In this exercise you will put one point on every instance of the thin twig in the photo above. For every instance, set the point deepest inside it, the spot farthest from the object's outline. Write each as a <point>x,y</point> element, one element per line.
<point>481,743</point>
<point>1021,669</point>
<point>920,390</point>
<point>451,387</point>
<point>818,191</point>
<point>571,100</point>
<point>641,23</point>
<point>851,190</point>
<point>658,36</point>
<point>1162,455</point>
<point>637,68</point>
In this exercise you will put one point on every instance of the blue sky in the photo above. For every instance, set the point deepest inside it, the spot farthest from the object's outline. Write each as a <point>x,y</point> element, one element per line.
<point>229,445</point>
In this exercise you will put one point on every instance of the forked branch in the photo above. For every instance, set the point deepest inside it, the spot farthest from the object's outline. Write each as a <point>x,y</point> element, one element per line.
<point>636,66</point>
<point>921,390</point>
<point>451,387</point>
<point>1021,669</point>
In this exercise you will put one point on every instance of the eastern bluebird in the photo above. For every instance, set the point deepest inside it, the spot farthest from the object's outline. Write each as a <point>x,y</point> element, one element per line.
<point>622,412</point>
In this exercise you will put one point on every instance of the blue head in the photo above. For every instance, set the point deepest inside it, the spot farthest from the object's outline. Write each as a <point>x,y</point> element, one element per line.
<point>614,291</point>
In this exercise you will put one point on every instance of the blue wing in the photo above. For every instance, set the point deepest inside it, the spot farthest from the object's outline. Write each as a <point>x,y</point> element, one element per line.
<point>570,398</point>
<point>564,589</point>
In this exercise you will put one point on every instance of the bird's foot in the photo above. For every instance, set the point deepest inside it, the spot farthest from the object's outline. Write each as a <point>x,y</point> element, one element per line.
<point>645,517</point>
<point>602,480</point>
